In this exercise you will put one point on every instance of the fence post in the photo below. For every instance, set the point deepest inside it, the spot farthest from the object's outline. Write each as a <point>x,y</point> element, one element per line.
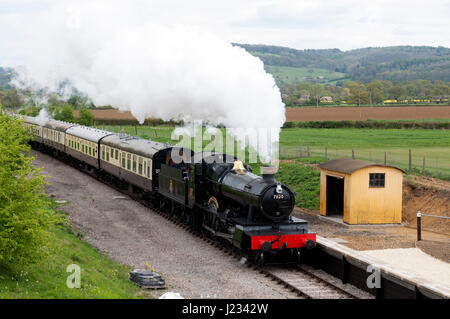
<point>353,154</point>
<point>419,228</point>
<point>385,158</point>
<point>410,160</point>
<point>437,169</point>
<point>326,157</point>
<point>135,129</point>
<point>308,151</point>
<point>423,166</point>
<point>301,151</point>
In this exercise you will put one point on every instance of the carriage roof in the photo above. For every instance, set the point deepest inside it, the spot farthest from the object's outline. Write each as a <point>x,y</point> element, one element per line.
<point>87,133</point>
<point>58,125</point>
<point>134,144</point>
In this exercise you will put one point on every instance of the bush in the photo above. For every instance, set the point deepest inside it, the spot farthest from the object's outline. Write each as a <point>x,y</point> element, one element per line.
<point>24,207</point>
<point>304,181</point>
<point>85,117</point>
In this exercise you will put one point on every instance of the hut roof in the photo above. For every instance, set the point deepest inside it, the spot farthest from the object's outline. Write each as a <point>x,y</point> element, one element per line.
<point>348,165</point>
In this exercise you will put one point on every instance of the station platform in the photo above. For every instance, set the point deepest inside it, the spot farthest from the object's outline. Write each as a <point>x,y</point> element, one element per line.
<point>409,267</point>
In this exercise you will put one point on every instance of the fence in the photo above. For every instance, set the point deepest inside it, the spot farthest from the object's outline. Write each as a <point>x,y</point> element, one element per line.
<point>419,223</point>
<point>406,159</point>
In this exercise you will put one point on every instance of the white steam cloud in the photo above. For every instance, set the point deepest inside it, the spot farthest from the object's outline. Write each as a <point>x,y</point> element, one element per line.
<point>43,117</point>
<point>151,69</point>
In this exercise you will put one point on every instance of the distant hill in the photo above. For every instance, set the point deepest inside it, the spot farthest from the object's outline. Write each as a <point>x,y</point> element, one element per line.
<point>331,66</point>
<point>397,63</point>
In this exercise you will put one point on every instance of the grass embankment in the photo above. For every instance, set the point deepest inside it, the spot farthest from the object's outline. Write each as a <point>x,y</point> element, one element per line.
<point>304,181</point>
<point>100,276</point>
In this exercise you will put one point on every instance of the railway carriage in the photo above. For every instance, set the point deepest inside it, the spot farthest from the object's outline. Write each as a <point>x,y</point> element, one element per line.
<point>129,158</point>
<point>34,127</point>
<point>54,134</point>
<point>82,143</point>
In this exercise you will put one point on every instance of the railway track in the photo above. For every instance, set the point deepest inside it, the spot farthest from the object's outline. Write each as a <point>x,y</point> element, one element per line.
<point>295,279</point>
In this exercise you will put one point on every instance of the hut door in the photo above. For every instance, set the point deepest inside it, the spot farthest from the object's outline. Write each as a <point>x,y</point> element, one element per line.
<point>335,195</point>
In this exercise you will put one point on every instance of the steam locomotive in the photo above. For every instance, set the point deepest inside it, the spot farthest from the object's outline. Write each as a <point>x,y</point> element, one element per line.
<point>215,193</point>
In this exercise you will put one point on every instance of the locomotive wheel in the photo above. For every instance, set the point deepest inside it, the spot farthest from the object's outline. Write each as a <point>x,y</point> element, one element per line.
<point>259,259</point>
<point>298,257</point>
<point>172,209</point>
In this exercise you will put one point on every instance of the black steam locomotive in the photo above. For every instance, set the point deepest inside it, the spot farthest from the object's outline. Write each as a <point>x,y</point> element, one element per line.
<point>213,192</point>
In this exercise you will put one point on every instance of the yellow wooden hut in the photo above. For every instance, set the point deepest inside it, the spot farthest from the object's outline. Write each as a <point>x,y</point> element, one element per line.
<point>361,192</point>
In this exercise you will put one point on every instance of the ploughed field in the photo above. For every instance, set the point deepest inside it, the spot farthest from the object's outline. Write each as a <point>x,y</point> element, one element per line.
<point>332,113</point>
<point>365,113</point>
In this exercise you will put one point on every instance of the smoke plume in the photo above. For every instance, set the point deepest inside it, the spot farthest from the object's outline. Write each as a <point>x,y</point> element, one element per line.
<point>152,69</point>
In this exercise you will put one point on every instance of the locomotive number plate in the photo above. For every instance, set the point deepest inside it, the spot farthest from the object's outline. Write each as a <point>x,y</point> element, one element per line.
<point>278,196</point>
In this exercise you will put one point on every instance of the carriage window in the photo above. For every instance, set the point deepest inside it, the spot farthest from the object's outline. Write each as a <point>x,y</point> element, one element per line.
<point>134,163</point>
<point>82,147</point>
<point>140,166</point>
<point>376,179</point>
<point>112,153</point>
<point>78,145</point>
<point>129,161</point>
<point>117,155</point>
<point>148,171</point>
<point>123,160</point>
<point>90,150</point>
<point>103,153</point>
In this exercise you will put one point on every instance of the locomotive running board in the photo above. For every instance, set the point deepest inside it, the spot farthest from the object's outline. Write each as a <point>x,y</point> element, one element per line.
<point>217,233</point>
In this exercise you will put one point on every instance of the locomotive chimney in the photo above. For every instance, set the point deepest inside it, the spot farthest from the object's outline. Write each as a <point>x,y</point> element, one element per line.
<point>268,173</point>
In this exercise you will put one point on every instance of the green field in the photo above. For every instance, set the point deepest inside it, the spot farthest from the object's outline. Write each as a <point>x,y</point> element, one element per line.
<point>100,276</point>
<point>371,145</point>
<point>287,75</point>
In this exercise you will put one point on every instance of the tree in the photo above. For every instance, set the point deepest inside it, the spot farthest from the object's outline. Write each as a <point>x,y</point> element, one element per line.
<point>375,90</point>
<point>64,113</point>
<point>24,208</point>
<point>316,92</point>
<point>12,99</point>
<point>396,92</point>
<point>31,110</point>
<point>86,117</point>
<point>358,93</point>
<point>74,100</point>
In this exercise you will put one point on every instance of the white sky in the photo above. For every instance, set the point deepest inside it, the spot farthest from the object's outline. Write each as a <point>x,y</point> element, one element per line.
<point>300,24</point>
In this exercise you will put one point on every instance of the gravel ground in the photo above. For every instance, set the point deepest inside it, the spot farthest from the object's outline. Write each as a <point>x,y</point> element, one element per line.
<point>132,234</point>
